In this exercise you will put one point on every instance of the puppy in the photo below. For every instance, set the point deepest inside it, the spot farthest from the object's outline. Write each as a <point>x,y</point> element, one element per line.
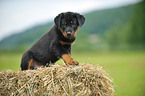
<point>55,44</point>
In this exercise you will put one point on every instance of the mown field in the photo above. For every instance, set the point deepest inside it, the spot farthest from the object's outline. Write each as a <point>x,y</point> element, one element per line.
<point>126,68</point>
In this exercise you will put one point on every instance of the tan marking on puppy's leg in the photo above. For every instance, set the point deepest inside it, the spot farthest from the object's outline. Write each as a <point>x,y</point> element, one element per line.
<point>30,64</point>
<point>67,58</point>
<point>37,64</point>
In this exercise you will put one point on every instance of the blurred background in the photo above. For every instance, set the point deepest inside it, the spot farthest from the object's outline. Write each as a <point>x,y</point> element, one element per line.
<point>113,36</point>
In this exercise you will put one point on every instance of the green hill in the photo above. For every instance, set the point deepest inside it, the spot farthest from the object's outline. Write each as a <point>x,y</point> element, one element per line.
<point>116,28</point>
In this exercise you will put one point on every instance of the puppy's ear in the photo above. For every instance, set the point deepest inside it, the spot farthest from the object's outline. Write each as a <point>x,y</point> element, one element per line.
<point>81,19</point>
<point>57,20</point>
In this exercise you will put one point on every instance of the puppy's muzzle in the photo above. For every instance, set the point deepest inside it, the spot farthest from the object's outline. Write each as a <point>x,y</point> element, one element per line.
<point>69,33</point>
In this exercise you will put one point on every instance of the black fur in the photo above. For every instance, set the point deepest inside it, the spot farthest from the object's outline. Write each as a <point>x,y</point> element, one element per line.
<point>48,48</point>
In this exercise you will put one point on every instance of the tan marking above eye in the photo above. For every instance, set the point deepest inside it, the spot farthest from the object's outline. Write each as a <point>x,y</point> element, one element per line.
<point>71,22</point>
<point>64,22</point>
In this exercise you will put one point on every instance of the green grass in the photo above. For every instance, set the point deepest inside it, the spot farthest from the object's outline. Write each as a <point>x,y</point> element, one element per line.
<point>126,68</point>
<point>10,61</point>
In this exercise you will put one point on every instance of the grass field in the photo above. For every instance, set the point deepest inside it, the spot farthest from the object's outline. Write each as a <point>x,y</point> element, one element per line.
<point>126,68</point>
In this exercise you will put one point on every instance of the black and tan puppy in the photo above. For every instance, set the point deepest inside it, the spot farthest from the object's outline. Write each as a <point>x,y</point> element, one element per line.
<point>55,44</point>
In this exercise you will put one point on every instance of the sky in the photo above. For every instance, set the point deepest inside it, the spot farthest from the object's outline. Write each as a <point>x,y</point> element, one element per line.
<point>19,15</point>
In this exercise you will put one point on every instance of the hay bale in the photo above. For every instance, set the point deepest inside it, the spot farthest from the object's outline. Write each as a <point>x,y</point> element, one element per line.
<point>60,80</point>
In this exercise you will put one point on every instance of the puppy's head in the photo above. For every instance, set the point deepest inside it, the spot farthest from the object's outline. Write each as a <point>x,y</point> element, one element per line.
<point>68,23</point>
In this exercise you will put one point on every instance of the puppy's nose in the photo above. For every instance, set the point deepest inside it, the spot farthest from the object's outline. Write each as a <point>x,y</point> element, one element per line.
<point>68,33</point>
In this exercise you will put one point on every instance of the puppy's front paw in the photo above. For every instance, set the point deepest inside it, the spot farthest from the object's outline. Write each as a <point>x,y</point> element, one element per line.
<point>73,62</point>
<point>69,60</point>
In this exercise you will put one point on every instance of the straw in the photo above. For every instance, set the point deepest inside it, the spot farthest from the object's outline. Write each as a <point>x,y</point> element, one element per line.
<point>58,80</point>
